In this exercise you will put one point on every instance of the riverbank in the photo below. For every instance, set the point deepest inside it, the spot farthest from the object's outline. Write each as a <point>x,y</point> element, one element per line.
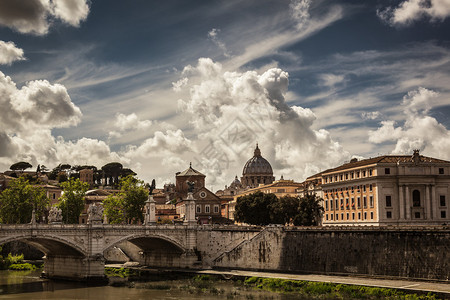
<point>344,284</point>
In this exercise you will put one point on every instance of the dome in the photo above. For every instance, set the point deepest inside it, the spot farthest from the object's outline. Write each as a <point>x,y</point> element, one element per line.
<point>257,165</point>
<point>236,183</point>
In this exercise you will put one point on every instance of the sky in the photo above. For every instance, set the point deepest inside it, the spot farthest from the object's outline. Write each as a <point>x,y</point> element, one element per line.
<point>156,85</point>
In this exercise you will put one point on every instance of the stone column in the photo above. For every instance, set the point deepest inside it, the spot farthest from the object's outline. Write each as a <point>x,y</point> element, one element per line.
<point>150,211</point>
<point>401,202</point>
<point>434,203</point>
<point>189,216</point>
<point>428,213</point>
<point>407,203</point>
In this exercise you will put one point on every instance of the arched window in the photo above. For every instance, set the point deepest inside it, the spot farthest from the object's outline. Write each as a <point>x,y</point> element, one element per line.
<point>416,198</point>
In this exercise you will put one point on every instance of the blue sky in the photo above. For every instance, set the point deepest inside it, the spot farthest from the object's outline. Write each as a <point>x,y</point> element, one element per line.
<point>156,85</point>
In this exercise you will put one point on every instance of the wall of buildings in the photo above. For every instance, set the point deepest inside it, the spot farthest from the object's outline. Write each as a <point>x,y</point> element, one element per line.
<point>420,253</point>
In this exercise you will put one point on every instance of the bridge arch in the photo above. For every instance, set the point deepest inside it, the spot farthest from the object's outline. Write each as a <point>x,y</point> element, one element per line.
<point>49,245</point>
<point>150,242</point>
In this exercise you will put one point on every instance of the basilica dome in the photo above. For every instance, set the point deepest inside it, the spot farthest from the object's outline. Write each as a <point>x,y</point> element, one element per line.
<point>257,165</point>
<point>257,170</point>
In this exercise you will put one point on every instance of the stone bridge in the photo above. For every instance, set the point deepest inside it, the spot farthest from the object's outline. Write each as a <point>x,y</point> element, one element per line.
<point>77,251</point>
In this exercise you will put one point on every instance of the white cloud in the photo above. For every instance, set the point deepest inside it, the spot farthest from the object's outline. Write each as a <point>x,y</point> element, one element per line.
<point>413,10</point>
<point>9,53</point>
<point>373,115</point>
<point>231,111</point>
<point>300,12</point>
<point>71,11</point>
<point>127,123</point>
<point>178,85</point>
<point>36,16</point>
<point>330,80</point>
<point>419,130</point>
<point>213,35</point>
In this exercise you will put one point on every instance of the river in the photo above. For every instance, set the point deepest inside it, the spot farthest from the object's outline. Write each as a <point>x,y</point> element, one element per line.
<point>28,285</point>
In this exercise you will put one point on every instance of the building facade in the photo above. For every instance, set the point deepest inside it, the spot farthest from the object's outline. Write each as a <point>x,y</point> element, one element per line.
<point>387,190</point>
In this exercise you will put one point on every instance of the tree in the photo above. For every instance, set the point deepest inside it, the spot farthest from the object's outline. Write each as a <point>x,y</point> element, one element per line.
<point>18,201</point>
<point>309,211</point>
<point>20,166</point>
<point>285,210</point>
<point>113,171</point>
<point>255,208</point>
<point>72,200</point>
<point>114,209</point>
<point>134,195</point>
<point>128,205</point>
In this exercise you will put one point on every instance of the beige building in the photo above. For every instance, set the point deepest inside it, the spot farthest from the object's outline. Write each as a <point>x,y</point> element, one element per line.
<point>387,190</point>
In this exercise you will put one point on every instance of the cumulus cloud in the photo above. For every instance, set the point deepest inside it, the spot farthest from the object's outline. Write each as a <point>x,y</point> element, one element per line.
<point>413,10</point>
<point>330,80</point>
<point>36,16</point>
<point>231,111</point>
<point>418,131</point>
<point>9,53</point>
<point>127,123</point>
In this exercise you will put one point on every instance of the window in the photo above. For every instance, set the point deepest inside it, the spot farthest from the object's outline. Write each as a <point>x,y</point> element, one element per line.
<point>371,215</point>
<point>331,204</point>
<point>337,204</point>
<point>416,198</point>
<point>353,216</point>
<point>443,214</point>
<point>340,177</point>
<point>337,217</point>
<point>370,188</point>
<point>365,202</point>
<point>441,170</point>
<point>346,176</point>
<point>387,171</point>
<point>370,172</point>
<point>364,188</point>
<point>357,174</point>
<point>371,201</point>
<point>363,173</point>
<point>348,216</point>
<point>216,209</point>
<point>353,190</point>
<point>352,175</point>
<point>342,216</point>
<point>326,180</point>
<point>342,203</point>
<point>442,200</point>
<point>331,216</point>
<point>417,215</point>
<point>389,214</point>
<point>388,201</point>
<point>207,209</point>
<point>326,217</point>
<point>326,204</point>
<point>353,203</point>
<point>359,216</point>
<point>359,202</point>
<point>54,195</point>
<point>365,216</point>
<point>198,209</point>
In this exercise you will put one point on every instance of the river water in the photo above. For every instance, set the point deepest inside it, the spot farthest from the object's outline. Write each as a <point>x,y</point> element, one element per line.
<point>28,285</point>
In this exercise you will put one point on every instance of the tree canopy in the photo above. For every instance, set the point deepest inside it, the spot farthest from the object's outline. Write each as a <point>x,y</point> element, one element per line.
<point>20,166</point>
<point>261,209</point>
<point>18,201</point>
<point>72,200</point>
<point>128,205</point>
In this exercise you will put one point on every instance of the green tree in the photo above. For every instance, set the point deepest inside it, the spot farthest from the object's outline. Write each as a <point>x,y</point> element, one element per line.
<point>18,201</point>
<point>72,201</point>
<point>134,196</point>
<point>20,166</point>
<point>129,204</point>
<point>285,210</point>
<point>114,209</point>
<point>255,209</point>
<point>309,211</point>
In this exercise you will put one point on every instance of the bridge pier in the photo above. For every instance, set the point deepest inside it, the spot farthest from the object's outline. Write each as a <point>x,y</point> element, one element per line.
<point>74,268</point>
